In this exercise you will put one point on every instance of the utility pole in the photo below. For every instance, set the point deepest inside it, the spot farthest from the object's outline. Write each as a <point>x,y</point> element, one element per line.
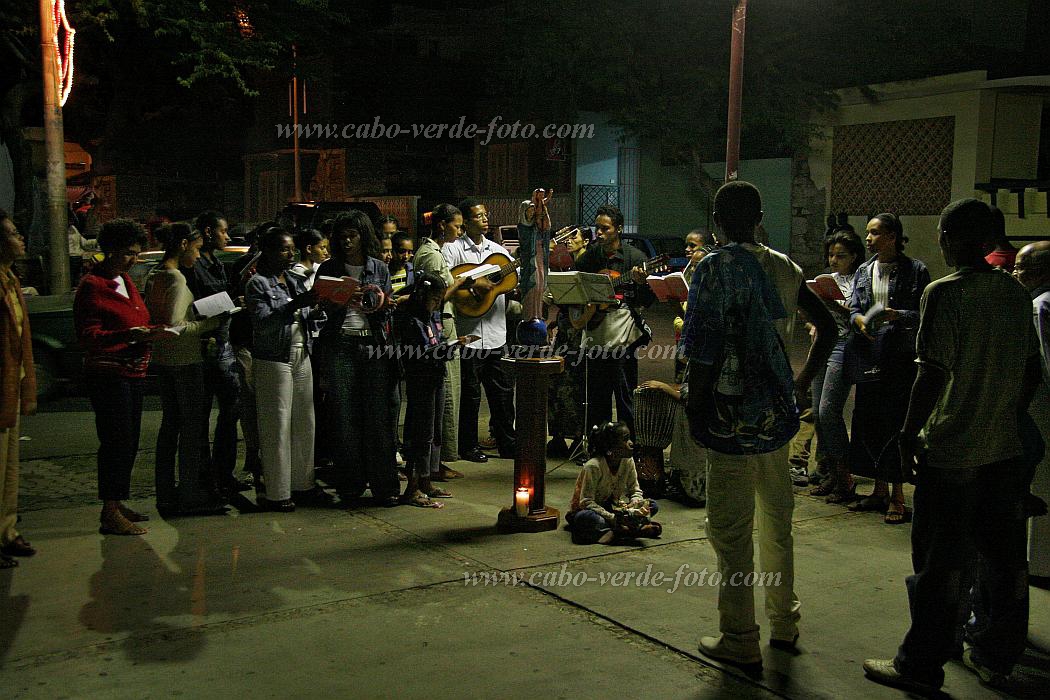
<point>54,143</point>
<point>294,109</point>
<point>736,89</point>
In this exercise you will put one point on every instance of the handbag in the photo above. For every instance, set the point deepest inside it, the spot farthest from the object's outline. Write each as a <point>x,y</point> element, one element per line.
<point>862,358</point>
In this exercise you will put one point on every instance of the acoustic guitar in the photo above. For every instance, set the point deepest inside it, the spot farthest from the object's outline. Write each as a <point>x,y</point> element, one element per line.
<point>473,303</point>
<point>651,266</point>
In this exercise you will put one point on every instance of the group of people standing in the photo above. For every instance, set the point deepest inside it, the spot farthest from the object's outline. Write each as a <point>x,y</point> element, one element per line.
<point>945,372</point>
<point>877,319</point>
<point>288,352</point>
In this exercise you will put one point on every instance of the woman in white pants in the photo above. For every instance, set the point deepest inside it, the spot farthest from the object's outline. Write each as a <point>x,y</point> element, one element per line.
<point>281,341</point>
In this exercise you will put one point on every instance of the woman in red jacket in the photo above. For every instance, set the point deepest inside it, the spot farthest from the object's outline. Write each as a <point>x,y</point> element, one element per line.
<point>17,389</point>
<point>112,324</point>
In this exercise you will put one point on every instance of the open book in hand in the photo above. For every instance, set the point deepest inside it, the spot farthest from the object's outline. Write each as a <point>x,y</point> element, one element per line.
<point>480,271</point>
<point>825,287</point>
<point>671,287</point>
<point>214,305</point>
<point>874,315</point>
<point>335,290</point>
<point>463,340</point>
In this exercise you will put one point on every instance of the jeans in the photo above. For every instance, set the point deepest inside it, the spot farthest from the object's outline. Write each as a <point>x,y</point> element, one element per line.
<point>285,394</point>
<point>450,423</point>
<point>117,402</point>
<point>425,398</point>
<point>478,368</point>
<point>361,397</point>
<point>966,521</point>
<point>222,383</point>
<point>588,526</point>
<point>182,397</point>
<point>736,485</point>
<point>610,379</point>
<point>830,391</point>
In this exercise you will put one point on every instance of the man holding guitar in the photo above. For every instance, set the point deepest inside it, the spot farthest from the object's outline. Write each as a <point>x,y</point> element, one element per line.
<point>480,361</point>
<point>612,367</point>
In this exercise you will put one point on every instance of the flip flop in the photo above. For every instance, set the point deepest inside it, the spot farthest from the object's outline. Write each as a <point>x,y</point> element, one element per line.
<point>897,517</point>
<point>869,504</point>
<point>420,500</point>
<point>438,492</point>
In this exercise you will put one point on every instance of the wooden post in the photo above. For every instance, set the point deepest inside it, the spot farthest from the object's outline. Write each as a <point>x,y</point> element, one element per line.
<point>530,462</point>
<point>55,148</point>
<point>736,89</point>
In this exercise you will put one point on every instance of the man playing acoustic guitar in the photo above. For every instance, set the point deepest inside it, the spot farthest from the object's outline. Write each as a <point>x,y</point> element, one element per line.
<point>612,365</point>
<point>480,361</point>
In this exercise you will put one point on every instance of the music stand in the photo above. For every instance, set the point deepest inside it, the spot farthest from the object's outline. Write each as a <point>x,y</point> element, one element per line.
<point>580,288</point>
<point>568,288</point>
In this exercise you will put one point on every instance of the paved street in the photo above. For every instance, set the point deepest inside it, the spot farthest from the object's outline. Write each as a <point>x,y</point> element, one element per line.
<point>379,602</point>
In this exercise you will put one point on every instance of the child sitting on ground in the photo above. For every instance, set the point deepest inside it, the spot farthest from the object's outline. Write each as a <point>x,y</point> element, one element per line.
<point>607,502</point>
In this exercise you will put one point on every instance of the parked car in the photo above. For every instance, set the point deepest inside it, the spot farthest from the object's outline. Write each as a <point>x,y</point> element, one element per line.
<point>507,236</point>
<point>57,355</point>
<point>299,215</point>
<point>673,248</point>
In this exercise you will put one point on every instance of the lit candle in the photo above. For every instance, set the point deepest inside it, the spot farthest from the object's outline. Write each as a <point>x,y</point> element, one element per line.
<point>521,501</point>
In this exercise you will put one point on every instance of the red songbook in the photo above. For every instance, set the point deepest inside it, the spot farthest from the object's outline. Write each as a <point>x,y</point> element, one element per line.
<point>825,287</point>
<point>670,287</point>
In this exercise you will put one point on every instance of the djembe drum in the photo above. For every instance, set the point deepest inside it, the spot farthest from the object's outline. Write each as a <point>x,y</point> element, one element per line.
<point>654,412</point>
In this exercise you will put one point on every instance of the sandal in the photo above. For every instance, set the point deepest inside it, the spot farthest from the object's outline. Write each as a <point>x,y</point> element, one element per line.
<point>18,547</point>
<point>869,504</point>
<point>842,494</point>
<point>897,517</point>
<point>114,523</point>
<point>438,492</point>
<point>825,488</point>
<point>420,500</point>
<point>7,562</point>
<point>132,515</point>
<point>446,474</point>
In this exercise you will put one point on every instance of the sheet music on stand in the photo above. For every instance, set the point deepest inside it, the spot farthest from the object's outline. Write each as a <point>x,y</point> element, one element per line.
<point>568,288</point>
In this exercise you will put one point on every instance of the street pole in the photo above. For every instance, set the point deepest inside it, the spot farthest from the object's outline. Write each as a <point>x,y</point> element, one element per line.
<point>54,144</point>
<point>736,89</point>
<point>297,165</point>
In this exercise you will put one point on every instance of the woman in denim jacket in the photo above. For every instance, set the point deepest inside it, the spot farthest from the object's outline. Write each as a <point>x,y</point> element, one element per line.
<point>281,342</point>
<point>360,372</point>
<point>895,281</point>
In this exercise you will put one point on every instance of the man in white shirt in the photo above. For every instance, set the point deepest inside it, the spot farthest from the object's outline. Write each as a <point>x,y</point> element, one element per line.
<point>480,364</point>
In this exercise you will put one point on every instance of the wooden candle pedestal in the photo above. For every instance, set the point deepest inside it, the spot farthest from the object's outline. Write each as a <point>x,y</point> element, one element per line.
<point>530,461</point>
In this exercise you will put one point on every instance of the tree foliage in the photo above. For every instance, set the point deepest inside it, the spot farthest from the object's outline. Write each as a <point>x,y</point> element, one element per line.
<point>660,70</point>
<point>224,39</point>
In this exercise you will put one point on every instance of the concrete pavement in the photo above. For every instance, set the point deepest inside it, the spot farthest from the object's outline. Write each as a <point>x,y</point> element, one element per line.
<point>377,602</point>
<point>380,603</point>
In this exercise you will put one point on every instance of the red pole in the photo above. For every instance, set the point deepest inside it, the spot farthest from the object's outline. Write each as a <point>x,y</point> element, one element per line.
<point>736,88</point>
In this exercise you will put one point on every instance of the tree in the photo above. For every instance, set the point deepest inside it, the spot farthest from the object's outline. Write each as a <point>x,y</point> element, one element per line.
<point>660,68</point>
<point>138,60</point>
<point>660,71</point>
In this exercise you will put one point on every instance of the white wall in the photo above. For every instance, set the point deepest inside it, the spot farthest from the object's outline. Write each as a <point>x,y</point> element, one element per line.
<point>956,96</point>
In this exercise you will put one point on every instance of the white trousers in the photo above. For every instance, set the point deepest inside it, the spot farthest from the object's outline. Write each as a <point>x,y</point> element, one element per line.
<point>9,482</point>
<point>284,398</point>
<point>737,486</point>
